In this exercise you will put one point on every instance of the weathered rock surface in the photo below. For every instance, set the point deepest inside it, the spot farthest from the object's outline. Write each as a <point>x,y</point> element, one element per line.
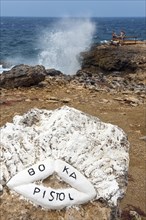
<point>104,67</point>
<point>110,58</point>
<point>110,68</point>
<point>53,72</point>
<point>22,76</point>
<point>97,150</point>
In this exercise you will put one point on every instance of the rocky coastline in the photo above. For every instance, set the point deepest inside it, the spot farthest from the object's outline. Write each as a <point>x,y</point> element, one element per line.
<point>107,66</point>
<point>111,85</point>
<point>104,68</point>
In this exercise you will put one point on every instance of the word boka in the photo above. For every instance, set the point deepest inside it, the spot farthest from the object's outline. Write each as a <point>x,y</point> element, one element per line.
<point>81,192</point>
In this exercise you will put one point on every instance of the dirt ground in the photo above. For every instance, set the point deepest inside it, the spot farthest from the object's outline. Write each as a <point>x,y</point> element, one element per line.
<point>106,106</point>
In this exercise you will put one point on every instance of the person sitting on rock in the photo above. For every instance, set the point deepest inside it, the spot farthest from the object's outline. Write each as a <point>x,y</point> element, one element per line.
<point>122,35</point>
<point>114,36</point>
<point>115,39</point>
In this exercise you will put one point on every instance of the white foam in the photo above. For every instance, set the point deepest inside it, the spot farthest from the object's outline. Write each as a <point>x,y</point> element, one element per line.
<point>62,45</point>
<point>4,69</point>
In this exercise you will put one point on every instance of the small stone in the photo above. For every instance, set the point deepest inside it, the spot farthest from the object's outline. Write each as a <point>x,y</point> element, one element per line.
<point>132,99</point>
<point>65,100</point>
<point>1,190</point>
<point>104,101</point>
<point>143,138</point>
<point>51,101</point>
<point>27,100</point>
<point>53,98</point>
<point>42,84</point>
<point>135,215</point>
<point>118,99</point>
<point>134,104</point>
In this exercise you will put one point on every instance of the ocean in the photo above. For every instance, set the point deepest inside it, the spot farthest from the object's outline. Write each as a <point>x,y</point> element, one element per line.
<point>57,42</point>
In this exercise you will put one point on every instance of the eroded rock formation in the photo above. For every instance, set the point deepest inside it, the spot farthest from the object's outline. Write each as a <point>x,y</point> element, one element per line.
<point>22,76</point>
<point>98,150</point>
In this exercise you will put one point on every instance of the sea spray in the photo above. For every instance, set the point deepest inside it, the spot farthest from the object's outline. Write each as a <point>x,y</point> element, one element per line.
<point>56,44</point>
<point>62,44</point>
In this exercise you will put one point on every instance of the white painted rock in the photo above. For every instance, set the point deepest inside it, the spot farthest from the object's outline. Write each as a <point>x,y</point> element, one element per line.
<point>81,192</point>
<point>96,152</point>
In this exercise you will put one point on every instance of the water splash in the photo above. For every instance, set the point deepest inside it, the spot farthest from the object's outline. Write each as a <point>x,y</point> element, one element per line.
<point>62,44</point>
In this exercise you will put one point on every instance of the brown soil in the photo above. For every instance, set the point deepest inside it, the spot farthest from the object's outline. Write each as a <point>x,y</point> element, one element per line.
<point>100,104</point>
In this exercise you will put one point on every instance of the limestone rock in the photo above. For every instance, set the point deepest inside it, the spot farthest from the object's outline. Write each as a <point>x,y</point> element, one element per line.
<point>53,72</point>
<point>111,58</point>
<point>22,76</point>
<point>98,150</point>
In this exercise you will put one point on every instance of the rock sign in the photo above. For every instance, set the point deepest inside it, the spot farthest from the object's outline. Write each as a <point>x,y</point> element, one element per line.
<point>81,192</point>
<point>99,151</point>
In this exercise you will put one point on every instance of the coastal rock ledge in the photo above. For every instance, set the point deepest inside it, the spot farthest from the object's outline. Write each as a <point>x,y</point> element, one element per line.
<point>111,59</point>
<point>22,76</point>
<point>98,151</point>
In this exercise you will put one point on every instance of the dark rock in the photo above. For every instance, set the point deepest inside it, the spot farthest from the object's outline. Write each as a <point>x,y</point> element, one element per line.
<point>42,84</point>
<point>53,72</point>
<point>109,58</point>
<point>22,76</point>
<point>85,73</point>
<point>110,68</point>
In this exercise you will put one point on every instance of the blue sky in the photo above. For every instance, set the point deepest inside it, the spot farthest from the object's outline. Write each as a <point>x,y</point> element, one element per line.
<point>76,8</point>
